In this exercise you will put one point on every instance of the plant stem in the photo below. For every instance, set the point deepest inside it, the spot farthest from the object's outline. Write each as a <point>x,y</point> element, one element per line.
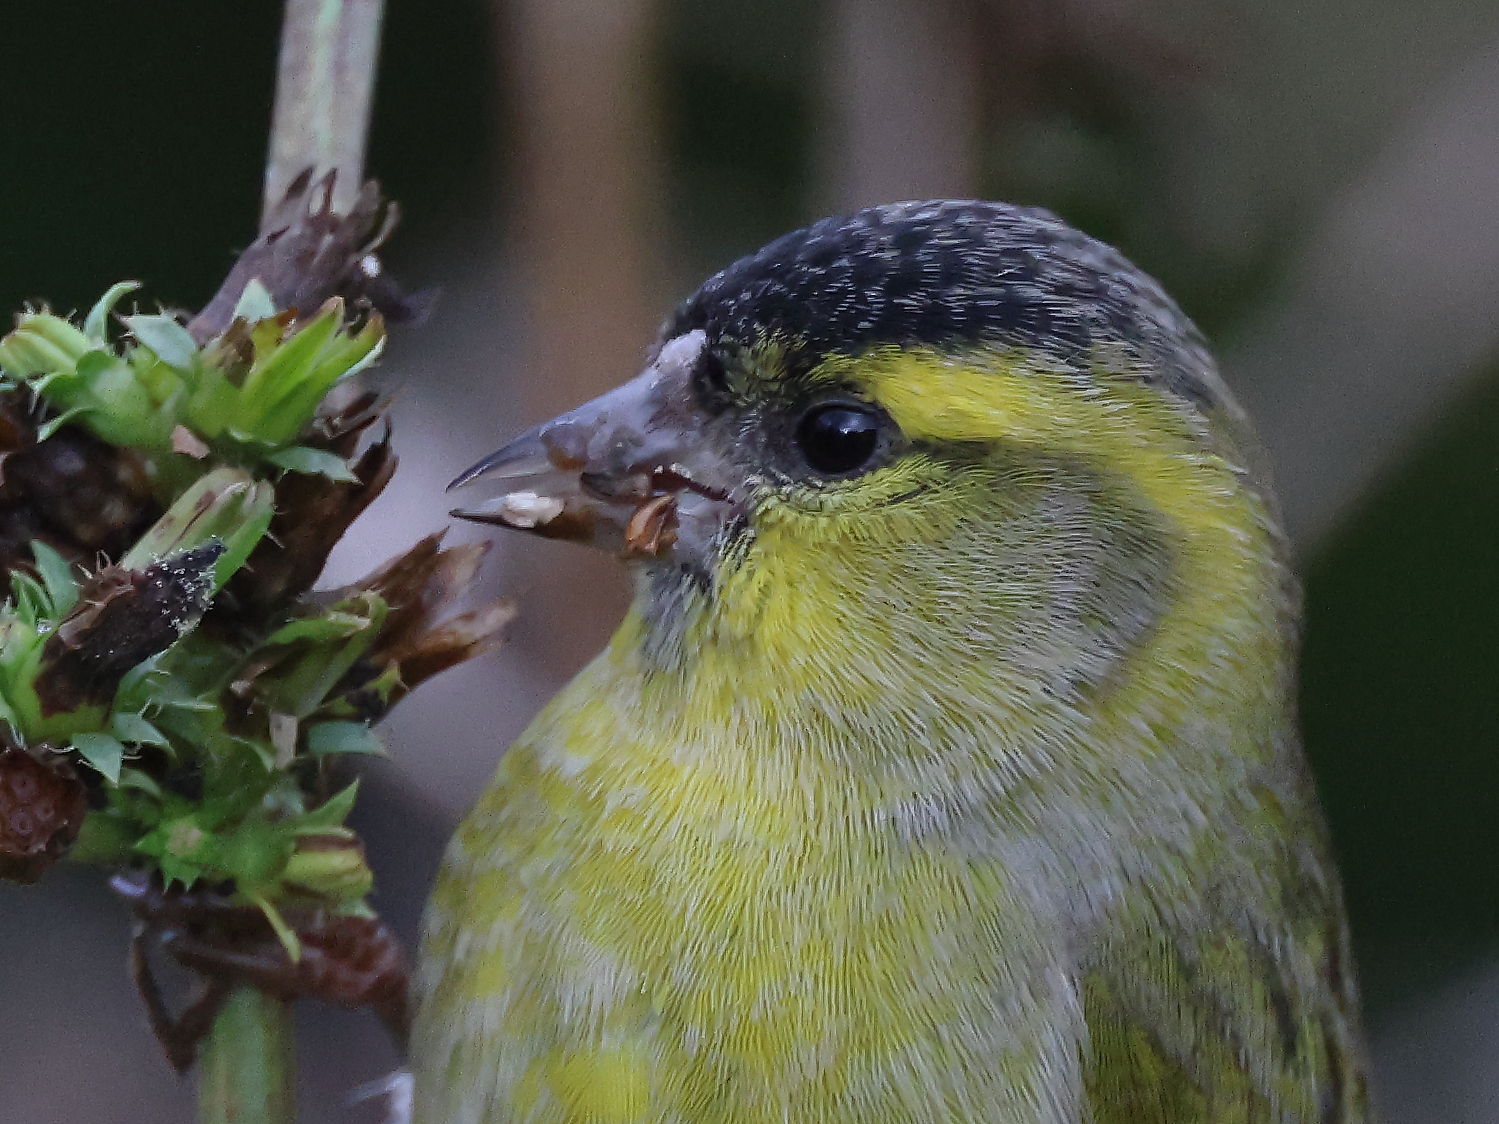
<point>248,1072</point>
<point>324,86</point>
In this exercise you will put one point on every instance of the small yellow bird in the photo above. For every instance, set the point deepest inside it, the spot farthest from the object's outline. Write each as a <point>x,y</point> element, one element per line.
<point>945,767</point>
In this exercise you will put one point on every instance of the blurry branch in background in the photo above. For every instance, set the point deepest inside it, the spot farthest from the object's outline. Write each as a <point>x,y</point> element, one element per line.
<point>903,98</point>
<point>1392,308</point>
<point>587,156</point>
<point>321,223</point>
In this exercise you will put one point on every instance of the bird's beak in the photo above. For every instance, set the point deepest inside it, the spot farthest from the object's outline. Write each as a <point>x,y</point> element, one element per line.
<point>629,471</point>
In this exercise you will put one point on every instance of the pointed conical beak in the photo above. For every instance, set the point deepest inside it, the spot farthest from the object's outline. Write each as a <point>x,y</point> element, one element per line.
<point>629,471</point>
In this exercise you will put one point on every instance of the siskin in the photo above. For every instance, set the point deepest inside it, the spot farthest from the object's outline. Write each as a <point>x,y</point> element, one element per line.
<point>945,767</point>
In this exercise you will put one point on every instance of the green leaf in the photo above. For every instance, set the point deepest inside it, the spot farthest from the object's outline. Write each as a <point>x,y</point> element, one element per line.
<point>289,363</point>
<point>57,578</point>
<point>177,843</point>
<point>103,752</point>
<point>168,340</point>
<point>301,688</point>
<point>41,344</point>
<point>330,814</point>
<point>284,932</point>
<point>45,431</point>
<point>333,625</point>
<point>176,869</point>
<point>131,727</point>
<point>254,303</point>
<point>96,324</point>
<point>314,462</point>
<point>371,346</point>
<point>254,853</point>
<point>105,839</point>
<point>258,508</point>
<point>8,716</point>
<point>32,603</point>
<point>20,654</point>
<point>342,737</point>
<point>283,389</point>
<point>140,781</point>
<point>92,364</point>
<point>297,402</point>
<point>144,684</point>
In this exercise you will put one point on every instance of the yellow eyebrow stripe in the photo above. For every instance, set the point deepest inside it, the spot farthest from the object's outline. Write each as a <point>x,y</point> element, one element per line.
<point>1128,427</point>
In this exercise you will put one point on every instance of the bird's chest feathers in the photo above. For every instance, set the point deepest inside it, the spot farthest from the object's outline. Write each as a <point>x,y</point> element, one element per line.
<point>739,912</point>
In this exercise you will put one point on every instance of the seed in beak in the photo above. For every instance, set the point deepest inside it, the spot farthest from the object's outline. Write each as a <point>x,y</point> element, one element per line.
<point>652,527</point>
<point>526,510</point>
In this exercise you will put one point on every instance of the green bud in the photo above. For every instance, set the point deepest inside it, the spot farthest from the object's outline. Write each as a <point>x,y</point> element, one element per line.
<point>42,344</point>
<point>227,504</point>
<point>330,866</point>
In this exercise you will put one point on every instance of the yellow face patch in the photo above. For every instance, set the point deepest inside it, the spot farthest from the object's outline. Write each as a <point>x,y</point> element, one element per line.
<point>1134,430</point>
<point>833,551</point>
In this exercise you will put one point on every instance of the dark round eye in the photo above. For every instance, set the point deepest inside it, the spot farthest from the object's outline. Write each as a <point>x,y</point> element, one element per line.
<point>838,438</point>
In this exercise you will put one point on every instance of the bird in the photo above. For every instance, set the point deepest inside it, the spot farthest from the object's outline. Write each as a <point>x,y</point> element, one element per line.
<point>945,765</point>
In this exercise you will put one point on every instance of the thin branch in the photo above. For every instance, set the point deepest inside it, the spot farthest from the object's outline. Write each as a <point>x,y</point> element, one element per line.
<point>324,87</point>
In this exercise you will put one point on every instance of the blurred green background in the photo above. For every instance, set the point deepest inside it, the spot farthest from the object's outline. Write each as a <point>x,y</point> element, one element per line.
<point>1314,184</point>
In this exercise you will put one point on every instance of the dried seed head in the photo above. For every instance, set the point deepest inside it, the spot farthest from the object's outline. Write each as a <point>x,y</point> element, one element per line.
<point>80,495</point>
<point>42,805</point>
<point>122,617</point>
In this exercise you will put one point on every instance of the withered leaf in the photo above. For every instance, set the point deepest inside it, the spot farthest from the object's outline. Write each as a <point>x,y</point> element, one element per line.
<point>308,252</point>
<point>347,961</point>
<point>454,641</point>
<point>312,511</point>
<point>418,586</point>
<point>413,643</point>
<point>122,617</point>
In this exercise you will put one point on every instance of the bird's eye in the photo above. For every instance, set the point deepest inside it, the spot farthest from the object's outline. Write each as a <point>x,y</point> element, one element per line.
<point>837,438</point>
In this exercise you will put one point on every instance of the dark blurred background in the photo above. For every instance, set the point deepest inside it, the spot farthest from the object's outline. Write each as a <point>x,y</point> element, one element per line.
<point>1315,183</point>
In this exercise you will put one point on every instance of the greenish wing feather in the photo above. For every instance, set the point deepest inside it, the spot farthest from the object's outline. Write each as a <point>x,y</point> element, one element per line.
<point>1230,1024</point>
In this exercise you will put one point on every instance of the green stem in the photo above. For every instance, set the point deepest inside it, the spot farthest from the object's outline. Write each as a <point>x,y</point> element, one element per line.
<point>248,1069</point>
<point>325,83</point>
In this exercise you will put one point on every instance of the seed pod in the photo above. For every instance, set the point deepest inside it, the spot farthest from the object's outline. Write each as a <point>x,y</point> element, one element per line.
<point>42,805</point>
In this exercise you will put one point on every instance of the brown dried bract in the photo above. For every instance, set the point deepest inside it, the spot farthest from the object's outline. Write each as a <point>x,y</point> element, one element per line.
<point>307,253</point>
<point>122,617</point>
<point>419,587</point>
<point>652,528</point>
<point>78,494</point>
<point>449,644</point>
<point>348,961</point>
<point>312,511</point>
<point>42,805</point>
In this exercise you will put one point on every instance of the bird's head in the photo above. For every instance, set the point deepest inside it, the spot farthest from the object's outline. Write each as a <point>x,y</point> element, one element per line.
<point>922,433</point>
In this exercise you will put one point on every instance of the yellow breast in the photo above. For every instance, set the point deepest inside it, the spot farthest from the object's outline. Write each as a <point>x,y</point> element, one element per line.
<point>632,931</point>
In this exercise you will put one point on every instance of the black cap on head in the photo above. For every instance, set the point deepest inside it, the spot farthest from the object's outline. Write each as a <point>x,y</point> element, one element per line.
<point>945,273</point>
